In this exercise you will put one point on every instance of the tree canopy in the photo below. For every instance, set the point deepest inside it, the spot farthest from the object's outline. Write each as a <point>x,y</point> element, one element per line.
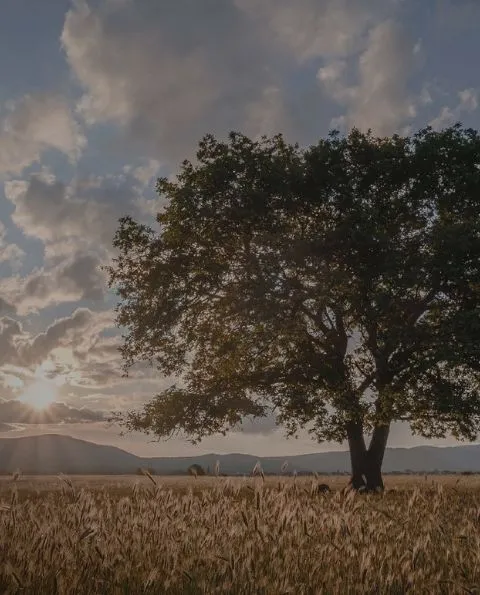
<point>336,285</point>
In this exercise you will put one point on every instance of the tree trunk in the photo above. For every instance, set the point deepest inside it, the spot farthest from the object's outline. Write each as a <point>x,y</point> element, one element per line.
<point>375,454</point>
<point>367,463</point>
<point>358,450</point>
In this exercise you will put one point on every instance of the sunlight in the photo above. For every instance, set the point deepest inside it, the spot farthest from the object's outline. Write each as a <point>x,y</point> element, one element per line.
<point>40,394</point>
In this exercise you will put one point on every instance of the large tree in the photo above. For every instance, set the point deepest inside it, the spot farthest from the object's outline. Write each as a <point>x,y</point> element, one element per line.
<point>336,286</point>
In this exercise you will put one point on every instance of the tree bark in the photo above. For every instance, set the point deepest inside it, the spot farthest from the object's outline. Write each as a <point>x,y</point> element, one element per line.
<point>358,450</point>
<point>375,454</point>
<point>367,463</point>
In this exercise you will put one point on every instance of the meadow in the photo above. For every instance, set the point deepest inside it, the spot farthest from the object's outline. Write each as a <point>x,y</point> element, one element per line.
<point>238,535</point>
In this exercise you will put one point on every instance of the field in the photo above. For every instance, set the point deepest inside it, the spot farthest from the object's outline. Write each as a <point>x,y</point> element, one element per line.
<point>229,535</point>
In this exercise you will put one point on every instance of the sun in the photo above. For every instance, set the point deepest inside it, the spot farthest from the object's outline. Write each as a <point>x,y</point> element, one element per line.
<point>40,394</point>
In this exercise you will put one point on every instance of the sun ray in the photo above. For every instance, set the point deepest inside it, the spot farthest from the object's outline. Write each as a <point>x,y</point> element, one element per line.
<point>40,394</point>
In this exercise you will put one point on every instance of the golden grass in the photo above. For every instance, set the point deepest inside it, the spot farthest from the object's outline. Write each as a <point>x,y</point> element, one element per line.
<point>224,535</point>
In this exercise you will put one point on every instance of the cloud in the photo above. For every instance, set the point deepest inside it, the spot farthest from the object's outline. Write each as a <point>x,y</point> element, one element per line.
<point>33,124</point>
<point>99,352</point>
<point>468,101</point>
<point>145,173</point>
<point>10,331</point>
<point>268,114</point>
<point>381,99</point>
<point>60,333</point>
<point>6,307</point>
<point>80,331</point>
<point>83,214</point>
<point>76,222</point>
<point>9,252</point>
<point>76,277</point>
<point>77,354</point>
<point>15,412</point>
<point>11,381</point>
<point>312,29</point>
<point>48,209</point>
<point>155,69</point>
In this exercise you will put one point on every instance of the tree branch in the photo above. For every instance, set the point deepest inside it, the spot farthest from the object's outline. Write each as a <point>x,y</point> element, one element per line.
<point>367,381</point>
<point>316,320</point>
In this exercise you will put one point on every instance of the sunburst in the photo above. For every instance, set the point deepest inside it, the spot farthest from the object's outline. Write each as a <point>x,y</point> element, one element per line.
<point>40,394</point>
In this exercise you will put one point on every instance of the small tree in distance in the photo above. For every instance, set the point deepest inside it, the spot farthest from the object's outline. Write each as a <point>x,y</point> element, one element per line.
<point>337,286</point>
<point>196,470</point>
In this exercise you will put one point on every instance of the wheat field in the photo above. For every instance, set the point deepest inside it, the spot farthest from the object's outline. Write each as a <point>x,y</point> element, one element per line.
<point>228,535</point>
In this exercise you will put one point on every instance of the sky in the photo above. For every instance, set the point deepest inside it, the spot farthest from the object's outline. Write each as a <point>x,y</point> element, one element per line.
<point>101,97</point>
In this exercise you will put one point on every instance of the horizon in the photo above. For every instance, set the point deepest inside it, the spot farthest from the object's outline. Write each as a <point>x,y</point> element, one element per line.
<point>84,135</point>
<point>233,453</point>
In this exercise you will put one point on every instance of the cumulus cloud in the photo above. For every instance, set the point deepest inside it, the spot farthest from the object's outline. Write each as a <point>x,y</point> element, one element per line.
<point>10,380</point>
<point>82,325</point>
<point>82,214</point>
<point>155,71</point>
<point>76,356</point>
<point>77,277</point>
<point>146,173</point>
<point>159,75</point>
<point>76,223</point>
<point>380,99</point>
<point>9,252</point>
<point>34,123</point>
<point>268,114</point>
<point>468,101</point>
<point>10,331</point>
<point>6,307</point>
<point>48,209</point>
<point>98,352</point>
<point>80,331</point>
<point>366,58</point>
<point>311,29</point>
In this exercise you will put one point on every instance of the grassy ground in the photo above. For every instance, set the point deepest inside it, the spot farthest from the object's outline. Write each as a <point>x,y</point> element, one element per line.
<point>31,486</point>
<point>227,535</point>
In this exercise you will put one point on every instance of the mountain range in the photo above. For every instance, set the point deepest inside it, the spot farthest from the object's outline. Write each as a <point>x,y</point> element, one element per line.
<point>53,453</point>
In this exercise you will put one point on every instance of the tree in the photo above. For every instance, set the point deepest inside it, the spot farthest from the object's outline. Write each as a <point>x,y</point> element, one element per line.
<point>336,286</point>
<point>196,470</point>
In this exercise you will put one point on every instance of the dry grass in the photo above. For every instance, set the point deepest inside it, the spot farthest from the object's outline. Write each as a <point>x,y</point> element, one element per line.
<point>104,535</point>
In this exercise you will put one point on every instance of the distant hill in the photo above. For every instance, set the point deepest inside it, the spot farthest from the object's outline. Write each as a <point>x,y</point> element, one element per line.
<point>53,453</point>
